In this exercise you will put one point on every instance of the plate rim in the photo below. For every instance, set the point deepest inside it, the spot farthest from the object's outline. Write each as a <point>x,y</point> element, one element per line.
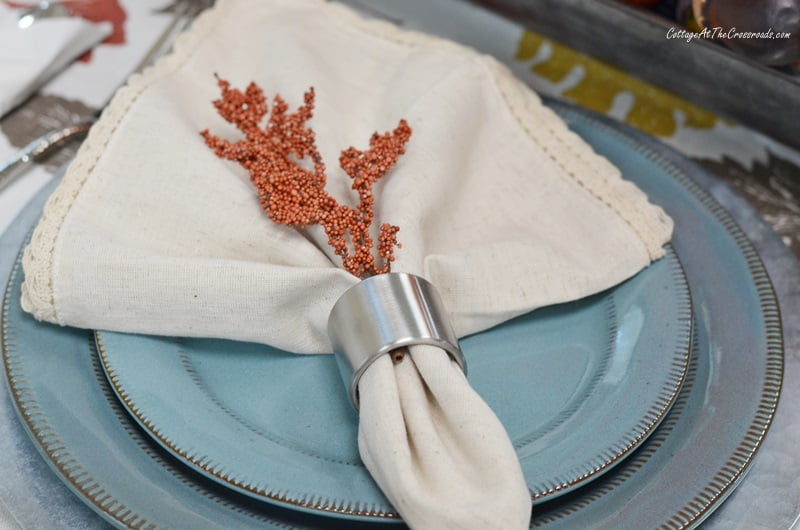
<point>54,450</point>
<point>674,165</point>
<point>724,481</point>
<point>591,466</point>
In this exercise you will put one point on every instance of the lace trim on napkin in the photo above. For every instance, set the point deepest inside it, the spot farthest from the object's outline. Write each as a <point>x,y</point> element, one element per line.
<point>578,161</point>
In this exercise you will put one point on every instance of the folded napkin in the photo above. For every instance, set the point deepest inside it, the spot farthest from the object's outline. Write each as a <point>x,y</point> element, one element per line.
<point>30,56</point>
<point>499,206</point>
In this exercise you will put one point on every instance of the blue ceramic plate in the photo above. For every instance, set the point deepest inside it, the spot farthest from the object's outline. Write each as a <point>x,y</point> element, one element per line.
<point>685,469</point>
<point>577,387</point>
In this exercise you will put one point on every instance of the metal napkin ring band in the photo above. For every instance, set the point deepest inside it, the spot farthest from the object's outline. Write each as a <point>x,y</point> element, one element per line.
<point>383,313</point>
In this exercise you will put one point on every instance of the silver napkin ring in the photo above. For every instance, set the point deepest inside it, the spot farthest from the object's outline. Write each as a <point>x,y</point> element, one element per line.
<point>383,313</point>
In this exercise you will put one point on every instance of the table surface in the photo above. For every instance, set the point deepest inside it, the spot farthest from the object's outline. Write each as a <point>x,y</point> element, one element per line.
<point>755,178</point>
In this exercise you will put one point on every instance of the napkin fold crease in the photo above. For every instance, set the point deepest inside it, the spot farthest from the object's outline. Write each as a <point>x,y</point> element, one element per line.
<point>499,205</point>
<point>452,464</point>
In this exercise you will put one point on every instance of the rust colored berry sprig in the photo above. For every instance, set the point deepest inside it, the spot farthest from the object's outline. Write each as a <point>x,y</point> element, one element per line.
<point>293,193</point>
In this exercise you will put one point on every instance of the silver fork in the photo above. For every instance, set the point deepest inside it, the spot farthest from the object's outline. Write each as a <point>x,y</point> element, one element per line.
<point>185,12</point>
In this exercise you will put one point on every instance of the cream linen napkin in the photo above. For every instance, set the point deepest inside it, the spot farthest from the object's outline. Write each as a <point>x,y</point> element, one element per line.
<point>31,56</point>
<point>499,206</point>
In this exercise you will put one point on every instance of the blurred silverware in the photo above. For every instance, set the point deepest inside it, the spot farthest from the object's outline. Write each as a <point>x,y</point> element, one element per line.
<point>183,13</point>
<point>41,10</point>
<point>26,156</point>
